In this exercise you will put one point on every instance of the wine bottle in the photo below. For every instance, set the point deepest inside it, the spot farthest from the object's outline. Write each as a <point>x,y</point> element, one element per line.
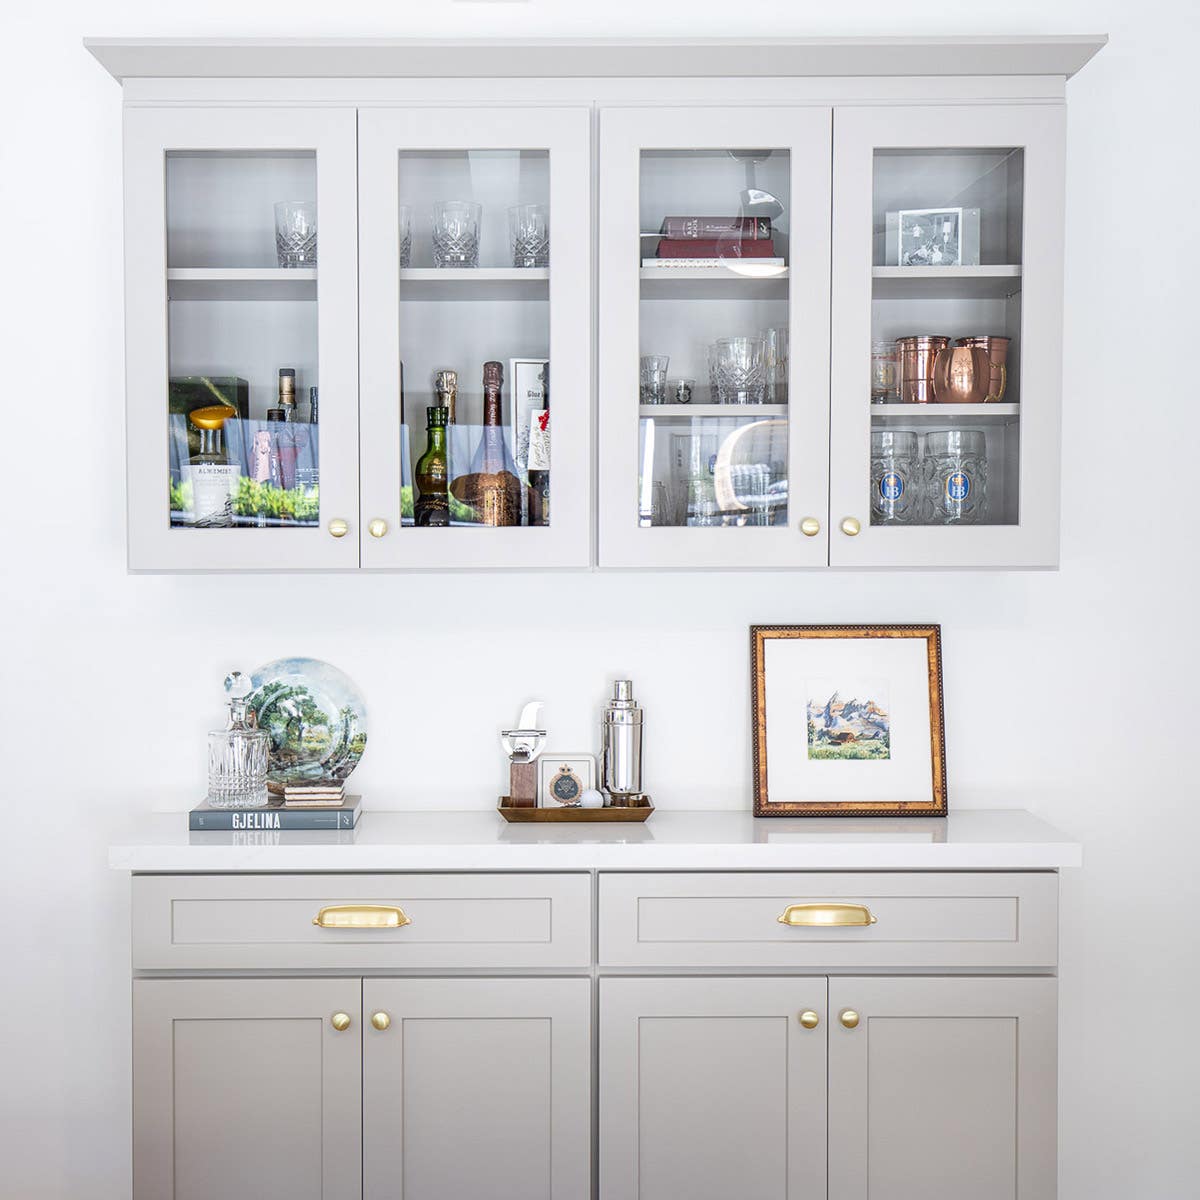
<point>492,488</point>
<point>539,457</point>
<point>431,474</point>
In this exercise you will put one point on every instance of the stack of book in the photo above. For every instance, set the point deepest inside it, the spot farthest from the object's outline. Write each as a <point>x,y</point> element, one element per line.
<point>326,794</point>
<point>343,815</point>
<point>712,241</point>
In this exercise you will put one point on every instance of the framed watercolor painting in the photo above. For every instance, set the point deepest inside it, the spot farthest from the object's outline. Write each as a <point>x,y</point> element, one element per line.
<point>848,720</point>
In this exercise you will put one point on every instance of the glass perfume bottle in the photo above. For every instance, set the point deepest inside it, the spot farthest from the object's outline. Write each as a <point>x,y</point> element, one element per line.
<point>237,754</point>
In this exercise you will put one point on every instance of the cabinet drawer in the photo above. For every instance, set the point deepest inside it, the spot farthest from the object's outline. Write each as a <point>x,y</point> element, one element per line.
<point>920,920</point>
<point>267,921</point>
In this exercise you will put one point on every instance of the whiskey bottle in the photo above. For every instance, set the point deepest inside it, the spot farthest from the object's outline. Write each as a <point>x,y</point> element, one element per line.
<point>287,392</point>
<point>492,488</point>
<point>213,477</point>
<point>539,457</point>
<point>431,475</point>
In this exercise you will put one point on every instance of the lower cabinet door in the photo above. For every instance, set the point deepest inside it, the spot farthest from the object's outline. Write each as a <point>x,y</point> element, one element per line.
<point>477,1089</point>
<point>712,1089</point>
<point>941,1089</point>
<point>244,1089</point>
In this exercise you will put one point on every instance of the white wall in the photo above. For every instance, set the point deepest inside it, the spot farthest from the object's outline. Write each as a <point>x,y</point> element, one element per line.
<point>1067,693</point>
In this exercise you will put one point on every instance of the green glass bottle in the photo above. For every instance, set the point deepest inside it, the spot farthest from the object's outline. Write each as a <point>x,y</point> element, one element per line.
<point>431,474</point>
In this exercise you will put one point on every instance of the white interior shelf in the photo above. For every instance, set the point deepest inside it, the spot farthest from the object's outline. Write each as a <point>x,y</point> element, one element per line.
<point>946,283</point>
<point>681,412</point>
<point>713,283</point>
<point>242,283</point>
<point>934,414</point>
<point>474,283</point>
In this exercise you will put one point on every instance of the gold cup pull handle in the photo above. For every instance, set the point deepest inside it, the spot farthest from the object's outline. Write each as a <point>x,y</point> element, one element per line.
<point>361,916</point>
<point>826,915</point>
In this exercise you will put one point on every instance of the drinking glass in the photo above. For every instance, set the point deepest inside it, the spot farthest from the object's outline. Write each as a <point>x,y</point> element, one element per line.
<point>776,342</point>
<point>659,512</point>
<point>885,373</point>
<point>456,233</point>
<point>654,378</point>
<point>405,236</point>
<point>681,391</point>
<point>955,469</point>
<point>895,490</point>
<point>741,370</point>
<point>296,233</point>
<point>529,235</point>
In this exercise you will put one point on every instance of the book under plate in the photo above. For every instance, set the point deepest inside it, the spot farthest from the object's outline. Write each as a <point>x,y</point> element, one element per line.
<point>275,816</point>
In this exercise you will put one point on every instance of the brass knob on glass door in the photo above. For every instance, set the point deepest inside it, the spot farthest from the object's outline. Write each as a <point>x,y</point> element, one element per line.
<point>849,1018</point>
<point>338,527</point>
<point>809,1019</point>
<point>340,1021</point>
<point>850,526</point>
<point>377,528</point>
<point>810,527</point>
<point>380,1020</point>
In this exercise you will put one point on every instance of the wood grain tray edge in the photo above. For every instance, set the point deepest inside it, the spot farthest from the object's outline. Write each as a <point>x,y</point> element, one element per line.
<point>529,815</point>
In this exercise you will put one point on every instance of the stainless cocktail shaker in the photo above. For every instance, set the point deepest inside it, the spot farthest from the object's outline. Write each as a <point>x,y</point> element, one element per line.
<point>621,747</point>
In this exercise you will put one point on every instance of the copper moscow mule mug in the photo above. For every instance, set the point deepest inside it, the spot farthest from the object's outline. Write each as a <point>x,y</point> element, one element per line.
<point>962,375</point>
<point>997,349</point>
<point>917,355</point>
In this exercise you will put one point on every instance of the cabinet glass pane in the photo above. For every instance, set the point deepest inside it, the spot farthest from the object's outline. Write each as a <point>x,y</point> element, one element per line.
<point>242,394</point>
<point>474,284</point>
<point>945,337</point>
<point>713,330</point>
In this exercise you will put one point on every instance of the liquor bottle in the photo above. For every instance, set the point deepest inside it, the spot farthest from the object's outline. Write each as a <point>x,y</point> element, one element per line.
<point>431,474</point>
<point>446,383</point>
<point>492,488</point>
<point>287,392</point>
<point>213,477</point>
<point>539,457</point>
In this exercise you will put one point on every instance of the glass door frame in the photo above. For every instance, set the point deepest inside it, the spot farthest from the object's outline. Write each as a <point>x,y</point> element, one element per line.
<point>1039,130</point>
<point>150,134</point>
<point>565,132</point>
<point>806,133</point>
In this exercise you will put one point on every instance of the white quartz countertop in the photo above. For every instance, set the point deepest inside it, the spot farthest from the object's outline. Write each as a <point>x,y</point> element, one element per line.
<point>671,840</point>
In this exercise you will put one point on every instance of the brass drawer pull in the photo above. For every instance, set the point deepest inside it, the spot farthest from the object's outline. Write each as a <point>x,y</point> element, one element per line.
<point>361,916</point>
<point>826,914</point>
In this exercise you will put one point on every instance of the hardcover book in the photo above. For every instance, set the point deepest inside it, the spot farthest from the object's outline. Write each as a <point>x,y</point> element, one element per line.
<point>275,816</point>
<point>715,248</point>
<point>747,228</point>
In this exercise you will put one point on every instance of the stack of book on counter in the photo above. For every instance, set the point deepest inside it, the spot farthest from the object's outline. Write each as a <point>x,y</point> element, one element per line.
<point>713,241</point>
<point>342,814</point>
<point>324,794</point>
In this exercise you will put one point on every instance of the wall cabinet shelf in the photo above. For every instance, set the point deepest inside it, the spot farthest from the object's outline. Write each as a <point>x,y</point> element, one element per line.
<point>878,206</point>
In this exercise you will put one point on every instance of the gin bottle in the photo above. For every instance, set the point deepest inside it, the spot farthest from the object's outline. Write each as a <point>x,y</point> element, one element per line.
<point>213,477</point>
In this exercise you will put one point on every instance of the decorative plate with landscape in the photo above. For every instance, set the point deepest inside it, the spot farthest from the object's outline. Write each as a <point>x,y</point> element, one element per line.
<point>316,718</point>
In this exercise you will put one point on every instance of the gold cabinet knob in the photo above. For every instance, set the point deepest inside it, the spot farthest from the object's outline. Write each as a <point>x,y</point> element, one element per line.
<point>849,1018</point>
<point>380,1020</point>
<point>378,527</point>
<point>340,1021</point>
<point>809,1019</point>
<point>810,527</point>
<point>338,527</point>
<point>851,526</point>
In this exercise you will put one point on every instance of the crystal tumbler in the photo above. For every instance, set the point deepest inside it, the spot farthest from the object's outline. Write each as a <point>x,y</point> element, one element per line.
<point>405,236</point>
<point>456,233</point>
<point>529,235</point>
<point>740,365</point>
<point>296,233</point>
<point>653,378</point>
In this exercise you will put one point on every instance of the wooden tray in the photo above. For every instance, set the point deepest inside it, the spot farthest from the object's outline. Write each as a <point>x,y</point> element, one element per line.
<point>519,815</point>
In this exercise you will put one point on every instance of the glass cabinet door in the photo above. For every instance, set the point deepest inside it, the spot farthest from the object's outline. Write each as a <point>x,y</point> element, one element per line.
<point>714,335</point>
<point>475,299</point>
<point>242,341</point>
<point>947,298</point>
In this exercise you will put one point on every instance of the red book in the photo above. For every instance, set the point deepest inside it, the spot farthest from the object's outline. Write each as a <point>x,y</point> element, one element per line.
<point>715,248</point>
<point>748,229</point>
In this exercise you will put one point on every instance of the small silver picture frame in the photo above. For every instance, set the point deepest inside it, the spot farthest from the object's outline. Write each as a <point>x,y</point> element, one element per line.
<point>563,778</point>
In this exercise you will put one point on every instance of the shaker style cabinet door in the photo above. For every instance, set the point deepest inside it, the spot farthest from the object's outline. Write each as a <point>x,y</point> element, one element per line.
<point>246,1089</point>
<point>714,337</point>
<point>941,1089</point>
<point>241,329</point>
<point>712,1088</point>
<point>475,249</point>
<point>477,1088</point>
<point>947,324</point>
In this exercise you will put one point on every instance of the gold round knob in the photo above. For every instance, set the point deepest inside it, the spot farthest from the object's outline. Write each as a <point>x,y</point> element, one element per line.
<point>378,527</point>
<point>849,1018</point>
<point>380,1020</point>
<point>810,527</point>
<point>340,1021</point>
<point>850,526</point>
<point>809,1019</point>
<point>338,527</point>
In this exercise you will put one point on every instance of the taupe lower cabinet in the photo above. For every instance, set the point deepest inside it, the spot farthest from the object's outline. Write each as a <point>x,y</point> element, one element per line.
<point>892,1037</point>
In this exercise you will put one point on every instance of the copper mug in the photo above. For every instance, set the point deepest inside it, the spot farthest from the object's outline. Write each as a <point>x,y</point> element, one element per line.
<point>962,375</point>
<point>917,356</point>
<point>997,350</point>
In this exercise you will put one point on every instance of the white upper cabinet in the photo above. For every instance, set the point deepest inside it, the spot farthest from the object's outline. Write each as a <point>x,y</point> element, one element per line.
<point>475,248</point>
<point>231,331</point>
<point>947,330</point>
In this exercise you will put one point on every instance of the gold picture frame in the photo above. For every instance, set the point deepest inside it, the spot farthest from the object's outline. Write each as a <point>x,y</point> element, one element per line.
<point>862,754</point>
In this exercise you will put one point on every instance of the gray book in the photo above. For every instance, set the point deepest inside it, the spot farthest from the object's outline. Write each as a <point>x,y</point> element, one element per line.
<point>275,816</point>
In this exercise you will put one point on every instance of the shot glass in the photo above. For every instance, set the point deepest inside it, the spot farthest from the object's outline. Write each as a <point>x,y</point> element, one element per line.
<point>296,233</point>
<point>654,378</point>
<point>456,233</point>
<point>529,235</point>
<point>680,391</point>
